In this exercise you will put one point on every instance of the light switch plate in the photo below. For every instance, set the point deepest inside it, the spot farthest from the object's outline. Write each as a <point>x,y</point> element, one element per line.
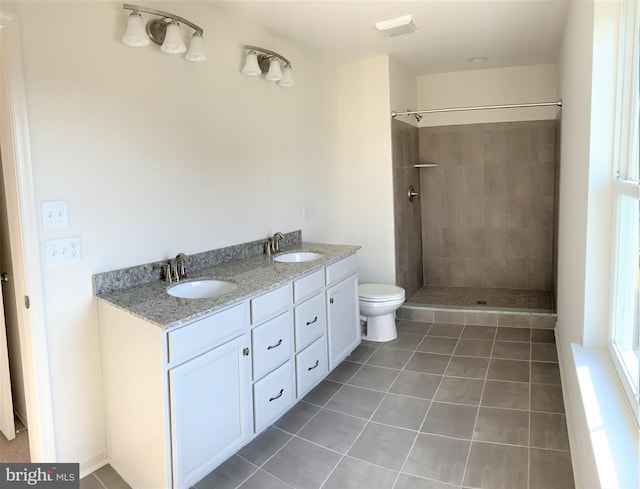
<point>55,214</point>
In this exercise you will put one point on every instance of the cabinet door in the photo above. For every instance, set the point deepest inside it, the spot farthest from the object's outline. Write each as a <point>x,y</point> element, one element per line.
<point>210,405</point>
<point>343,320</point>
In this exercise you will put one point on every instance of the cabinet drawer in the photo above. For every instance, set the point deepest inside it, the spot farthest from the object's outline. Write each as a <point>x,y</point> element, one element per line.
<point>271,344</point>
<point>206,333</point>
<point>310,320</point>
<point>307,286</point>
<point>341,269</point>
<point>311,366</point>
<point>268,305</point>
<point>272,396</point>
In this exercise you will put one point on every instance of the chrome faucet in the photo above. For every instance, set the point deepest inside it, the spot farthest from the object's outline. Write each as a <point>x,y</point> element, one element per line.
<point>275,241</point>
<point>272,245</point>
<point>177,266</point>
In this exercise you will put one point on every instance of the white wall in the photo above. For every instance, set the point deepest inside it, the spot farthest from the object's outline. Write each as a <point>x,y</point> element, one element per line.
<point>363,201</point>
<point>523,84</point>
<point>403,89</point>
<point>157,155</point>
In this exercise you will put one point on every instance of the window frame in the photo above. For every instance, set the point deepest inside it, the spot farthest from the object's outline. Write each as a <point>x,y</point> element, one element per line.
<point>626,185</point>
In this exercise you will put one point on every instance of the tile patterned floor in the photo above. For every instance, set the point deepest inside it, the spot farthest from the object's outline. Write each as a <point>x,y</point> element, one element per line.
<point>441,407</point>
<point>468,297</point>
<point>104,478</point>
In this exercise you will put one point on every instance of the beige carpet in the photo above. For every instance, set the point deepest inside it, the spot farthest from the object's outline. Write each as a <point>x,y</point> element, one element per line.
<point>16,450</point>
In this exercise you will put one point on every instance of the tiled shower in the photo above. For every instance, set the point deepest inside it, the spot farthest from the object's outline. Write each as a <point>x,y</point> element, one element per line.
<point>486,220</point>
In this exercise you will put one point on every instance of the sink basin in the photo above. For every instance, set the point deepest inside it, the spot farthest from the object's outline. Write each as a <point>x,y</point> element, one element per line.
<point>201,289</point>
<point>297,257</point>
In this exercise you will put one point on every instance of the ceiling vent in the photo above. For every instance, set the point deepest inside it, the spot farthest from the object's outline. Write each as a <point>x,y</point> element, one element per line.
<point>398,26</point>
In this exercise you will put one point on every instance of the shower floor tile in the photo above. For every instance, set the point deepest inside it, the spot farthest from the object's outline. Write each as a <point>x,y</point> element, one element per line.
<point>478,297</point>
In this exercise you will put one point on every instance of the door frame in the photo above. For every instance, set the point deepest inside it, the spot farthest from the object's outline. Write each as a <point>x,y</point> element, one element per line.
<point>25,249</point>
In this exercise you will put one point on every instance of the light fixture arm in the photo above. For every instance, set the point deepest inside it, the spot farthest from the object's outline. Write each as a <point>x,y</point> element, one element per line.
<point>268,52</point>
<point>161,13</point>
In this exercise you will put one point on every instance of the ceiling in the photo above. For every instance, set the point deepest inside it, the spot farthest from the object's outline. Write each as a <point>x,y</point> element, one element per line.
<point>507,32</point>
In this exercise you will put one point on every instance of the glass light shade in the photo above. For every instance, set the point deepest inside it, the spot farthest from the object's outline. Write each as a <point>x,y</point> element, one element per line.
<point>173,43</point>
<point>275,71</point>
<point>136,35</point>
<point>196,49</point>
<point>287,77</point>
<point>251,67</point>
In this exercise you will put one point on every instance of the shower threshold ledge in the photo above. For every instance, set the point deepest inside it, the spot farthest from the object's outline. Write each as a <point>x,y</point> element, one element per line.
<point>511,318</point>
<point>484,299</point>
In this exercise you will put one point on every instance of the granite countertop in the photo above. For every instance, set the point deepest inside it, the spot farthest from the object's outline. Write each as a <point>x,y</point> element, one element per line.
<point>254,275</point>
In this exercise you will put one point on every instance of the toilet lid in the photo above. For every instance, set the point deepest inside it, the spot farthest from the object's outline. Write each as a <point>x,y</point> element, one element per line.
<point>380,292</point>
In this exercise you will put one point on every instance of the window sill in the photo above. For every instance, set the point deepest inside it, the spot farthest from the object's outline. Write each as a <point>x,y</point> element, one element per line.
<point>605,430</point>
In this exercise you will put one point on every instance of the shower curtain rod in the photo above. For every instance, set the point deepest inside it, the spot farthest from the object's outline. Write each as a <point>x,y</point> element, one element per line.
<point>481,107</point>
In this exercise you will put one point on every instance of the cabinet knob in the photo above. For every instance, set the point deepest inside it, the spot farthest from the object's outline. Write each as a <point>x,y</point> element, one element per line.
<point>331,300</point>
<point>245,352</point>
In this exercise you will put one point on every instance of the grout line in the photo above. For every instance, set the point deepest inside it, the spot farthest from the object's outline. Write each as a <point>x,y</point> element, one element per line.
<point>530,401</point>
<point>99,481</point>
<point>475,424</point>
<point>435,394</point>
<point>358,437</point>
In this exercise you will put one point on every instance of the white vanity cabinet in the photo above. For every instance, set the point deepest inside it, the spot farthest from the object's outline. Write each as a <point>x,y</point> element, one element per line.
<point>343,317</point>
<point>180,401</point>
<point>177,403</point>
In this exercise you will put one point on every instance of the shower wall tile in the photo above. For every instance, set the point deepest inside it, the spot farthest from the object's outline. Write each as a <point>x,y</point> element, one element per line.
<point>495,143</point>
<point>495,179</point>
<point>542,178</point>
<point>518,243</point>
<point>473,213</point>
<point>518,212</point>
<point>495,272</point>
<point>408,215</point>
<point>517,273</point>
<point>495,212</point>
<point>498,179</point>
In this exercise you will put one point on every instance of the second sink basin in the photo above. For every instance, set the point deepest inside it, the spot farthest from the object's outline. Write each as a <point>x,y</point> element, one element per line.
<point>297,257</point>
<point>201,289</point>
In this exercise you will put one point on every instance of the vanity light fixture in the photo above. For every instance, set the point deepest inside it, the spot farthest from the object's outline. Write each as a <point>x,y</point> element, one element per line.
<point>164,31</point>
<point>260,60</point>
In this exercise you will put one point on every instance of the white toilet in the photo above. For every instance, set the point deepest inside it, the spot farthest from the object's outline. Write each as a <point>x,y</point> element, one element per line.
<point>378,304</point>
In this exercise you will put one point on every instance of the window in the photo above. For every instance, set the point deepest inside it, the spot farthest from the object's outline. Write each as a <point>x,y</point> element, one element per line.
<point>625,311</point>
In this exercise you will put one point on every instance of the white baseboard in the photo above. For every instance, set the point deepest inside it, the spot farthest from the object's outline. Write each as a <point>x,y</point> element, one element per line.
<point>93,463</point>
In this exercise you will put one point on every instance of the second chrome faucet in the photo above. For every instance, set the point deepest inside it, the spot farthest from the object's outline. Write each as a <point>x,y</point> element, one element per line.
<point>273,244</point>
<point>174,269</point>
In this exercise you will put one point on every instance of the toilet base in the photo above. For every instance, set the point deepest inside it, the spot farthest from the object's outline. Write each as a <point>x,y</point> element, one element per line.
<point>380,328</point>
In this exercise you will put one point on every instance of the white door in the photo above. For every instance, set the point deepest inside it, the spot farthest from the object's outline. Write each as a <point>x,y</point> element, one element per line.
<point>7,426</point>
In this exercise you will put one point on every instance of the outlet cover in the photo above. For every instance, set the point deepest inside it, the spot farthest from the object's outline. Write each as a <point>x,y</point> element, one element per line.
<point>55,214</point>
<point>63,251</point>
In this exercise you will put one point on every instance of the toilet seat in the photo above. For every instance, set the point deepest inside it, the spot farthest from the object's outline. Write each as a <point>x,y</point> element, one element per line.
<point>380,292</point>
